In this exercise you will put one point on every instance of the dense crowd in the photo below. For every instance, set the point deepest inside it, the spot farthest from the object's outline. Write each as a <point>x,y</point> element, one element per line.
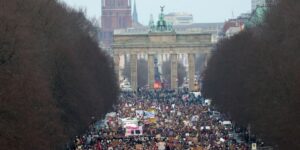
<point>161,120</point>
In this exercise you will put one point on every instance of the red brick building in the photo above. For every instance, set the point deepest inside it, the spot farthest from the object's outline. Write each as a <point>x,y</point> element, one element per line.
<point>116,14</point>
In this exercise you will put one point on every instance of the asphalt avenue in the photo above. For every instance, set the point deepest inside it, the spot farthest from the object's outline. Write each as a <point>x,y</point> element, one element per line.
<point>163,120</point>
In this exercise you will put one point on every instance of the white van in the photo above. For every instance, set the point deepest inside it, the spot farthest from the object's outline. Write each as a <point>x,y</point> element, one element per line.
<point>207,102</point>
<point>215,115</point>
<point>227,125</point>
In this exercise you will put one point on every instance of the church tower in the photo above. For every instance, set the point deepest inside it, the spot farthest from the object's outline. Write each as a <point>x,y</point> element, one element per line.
<point>116,14</point>
<point>135,14</point>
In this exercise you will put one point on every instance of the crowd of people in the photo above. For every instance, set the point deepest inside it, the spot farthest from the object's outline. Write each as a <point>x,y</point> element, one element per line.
<point>161,120</point>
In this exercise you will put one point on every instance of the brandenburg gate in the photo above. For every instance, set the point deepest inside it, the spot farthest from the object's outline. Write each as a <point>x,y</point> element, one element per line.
<point>160,40</point>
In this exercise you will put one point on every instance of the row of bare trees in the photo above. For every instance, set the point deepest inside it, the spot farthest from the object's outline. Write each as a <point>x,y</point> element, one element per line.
<point>53,76</point>
<point>255,77</point>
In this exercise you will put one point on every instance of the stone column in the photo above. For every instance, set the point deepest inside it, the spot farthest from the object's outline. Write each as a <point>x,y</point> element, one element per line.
<point>133,68</point>
<point>151,70</point>
<point>117,66</point>
<point>207,57</point>
<point>159,64</point>
<point>174,71</point>
<point>191,73</point>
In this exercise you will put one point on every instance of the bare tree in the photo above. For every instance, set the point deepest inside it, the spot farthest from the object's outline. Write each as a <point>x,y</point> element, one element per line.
<point>53,75</point>
<point>254,76</point>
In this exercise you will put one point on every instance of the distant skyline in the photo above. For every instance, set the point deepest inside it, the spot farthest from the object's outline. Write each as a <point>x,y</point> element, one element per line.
<point>204,11</point>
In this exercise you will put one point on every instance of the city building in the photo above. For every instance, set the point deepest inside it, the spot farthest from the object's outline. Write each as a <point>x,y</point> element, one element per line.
<point>179,18</point>
<point>135,14</point>
<point>116,14</point>
<point>232,27</point>
<point>261,3</point>
<point>236,25</point>
<point>257,17</point>
<point>244,17</point>
<point>160,39</point>
<point>233,30</point>
<point>214,28</point>
<point>259,10</point>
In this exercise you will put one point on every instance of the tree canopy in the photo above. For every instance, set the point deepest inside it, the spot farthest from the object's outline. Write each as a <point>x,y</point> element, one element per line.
<point>53,76</point>
<point>254,76</point>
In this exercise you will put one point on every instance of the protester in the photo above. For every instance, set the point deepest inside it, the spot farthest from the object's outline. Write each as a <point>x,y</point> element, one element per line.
<point>160,120</point>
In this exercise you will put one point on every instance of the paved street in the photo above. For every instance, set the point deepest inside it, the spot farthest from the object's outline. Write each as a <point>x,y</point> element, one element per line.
<point>161,120</point>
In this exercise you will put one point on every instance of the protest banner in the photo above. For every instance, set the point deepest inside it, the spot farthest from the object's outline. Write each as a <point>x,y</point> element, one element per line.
<point>133,131</point>
<point>139,113</point>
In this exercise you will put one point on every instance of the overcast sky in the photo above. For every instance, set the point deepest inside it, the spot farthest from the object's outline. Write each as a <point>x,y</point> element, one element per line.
<point>203,10</point>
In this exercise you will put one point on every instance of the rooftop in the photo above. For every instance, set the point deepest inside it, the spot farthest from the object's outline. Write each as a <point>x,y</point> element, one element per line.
<point>179,14</point>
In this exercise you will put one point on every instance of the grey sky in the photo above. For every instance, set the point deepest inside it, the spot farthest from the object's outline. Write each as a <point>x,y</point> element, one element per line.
<point>202,10</point>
